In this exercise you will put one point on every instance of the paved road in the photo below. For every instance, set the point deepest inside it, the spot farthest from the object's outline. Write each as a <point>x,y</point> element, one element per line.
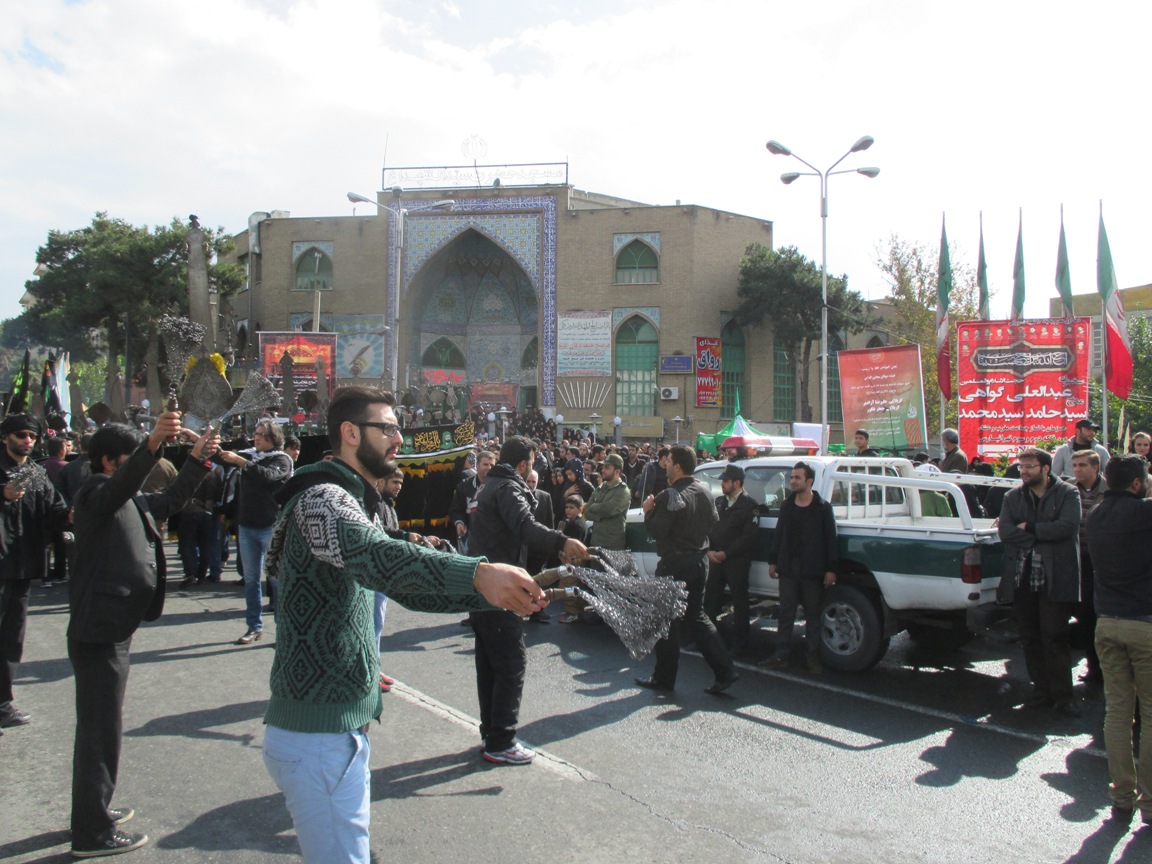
<point>925,758</point>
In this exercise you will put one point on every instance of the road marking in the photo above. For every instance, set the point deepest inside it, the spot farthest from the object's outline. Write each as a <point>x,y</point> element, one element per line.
<point>1067,742</point>
<point>547,760</point>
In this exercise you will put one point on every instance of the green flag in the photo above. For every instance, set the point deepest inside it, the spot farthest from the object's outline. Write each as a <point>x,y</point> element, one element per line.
<point>1018,273</point>
<point>18,400</point>
<point>736,408</point>
<point>982,276</point>
<point>943,329</point>
<point>1063,280</point>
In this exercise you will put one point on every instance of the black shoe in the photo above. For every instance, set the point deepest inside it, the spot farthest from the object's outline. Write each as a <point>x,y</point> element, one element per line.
<point>652,684</point>
<point>1037,700</point>
<point>187,583</point>
<point>120,815</point>
<point>723,683</point>
<point>1069,709</point>
<point>117,844</point>
<point>14,717</point>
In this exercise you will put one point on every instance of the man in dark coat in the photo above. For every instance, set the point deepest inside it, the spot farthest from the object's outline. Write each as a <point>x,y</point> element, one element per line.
<point>31,510</point>
<point>804,556</point>
<point>730,546</point>
<point>679,519</point>
<point>118,581</point>
<point>464,500</point>
<point>502,530</point>
<point>1040,526</point>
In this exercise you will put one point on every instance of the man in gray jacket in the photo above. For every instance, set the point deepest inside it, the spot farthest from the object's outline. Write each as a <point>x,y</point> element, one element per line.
<point>1084,439</point>
<point>1040,526</point>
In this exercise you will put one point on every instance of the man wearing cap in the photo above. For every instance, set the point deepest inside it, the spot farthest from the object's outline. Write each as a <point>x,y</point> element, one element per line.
<point>1084,439</point>
<point>731,543</point>
<point>607,509</point>
<point>955,460</point>
<point>31,509</point>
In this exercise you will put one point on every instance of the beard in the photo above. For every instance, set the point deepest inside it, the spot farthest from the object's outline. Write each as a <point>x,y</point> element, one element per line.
<point>376,463</point>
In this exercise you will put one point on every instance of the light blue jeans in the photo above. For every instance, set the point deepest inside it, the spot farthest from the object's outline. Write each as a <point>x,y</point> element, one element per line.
<point>253,544</point>
<point>325,780</point>
<point>379,607</point>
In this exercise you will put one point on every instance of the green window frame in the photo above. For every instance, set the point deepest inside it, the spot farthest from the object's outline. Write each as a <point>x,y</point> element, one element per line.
<point>637,264</point>
<point>637,353</point>
<point>783,385</point>
<point>733,367</point>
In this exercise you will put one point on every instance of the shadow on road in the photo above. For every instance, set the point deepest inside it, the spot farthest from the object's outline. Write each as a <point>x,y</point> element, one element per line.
<point>199,724</point>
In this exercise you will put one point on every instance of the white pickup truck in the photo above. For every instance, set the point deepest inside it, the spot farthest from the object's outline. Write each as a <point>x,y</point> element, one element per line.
<point>899,568</point>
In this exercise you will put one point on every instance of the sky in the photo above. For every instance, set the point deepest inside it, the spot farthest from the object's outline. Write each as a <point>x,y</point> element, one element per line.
<point>220,108</point>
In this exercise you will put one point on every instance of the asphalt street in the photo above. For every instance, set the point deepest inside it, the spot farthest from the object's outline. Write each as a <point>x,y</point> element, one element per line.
<point>924,758</point>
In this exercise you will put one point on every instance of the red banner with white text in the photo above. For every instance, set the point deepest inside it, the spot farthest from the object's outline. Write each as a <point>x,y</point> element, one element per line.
<point>709,378</point>
<point>1021,381</point>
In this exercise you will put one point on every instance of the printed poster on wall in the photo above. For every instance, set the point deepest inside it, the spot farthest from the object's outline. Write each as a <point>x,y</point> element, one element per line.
<point>882,392</point>
<point>709,378</point>
<point>1021,381</point>
<point>584,344</point>
<point>304,349</point>
<point>361,345</point>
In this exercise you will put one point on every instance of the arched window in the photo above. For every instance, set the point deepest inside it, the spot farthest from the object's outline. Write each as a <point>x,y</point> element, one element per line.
<point>530,358</point>
<point>314,271</point>
<point>783,385</point>
<point>875,342</point>
<point>835,409</point>
<point>637,352</point>
<point>637,264</point>
<point>442,354</point>
<point>735,392</point>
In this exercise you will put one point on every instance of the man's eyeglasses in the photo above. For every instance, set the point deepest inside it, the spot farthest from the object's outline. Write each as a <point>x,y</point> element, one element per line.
<point>389,429</point>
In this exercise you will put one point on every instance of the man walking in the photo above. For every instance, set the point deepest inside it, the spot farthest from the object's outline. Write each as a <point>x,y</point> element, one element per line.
<point>1120,539</point>
<point>804,557</point>
<point>117,583</point>
<point>730,546</point>
<point>503,530</point>
<point>330,553</point>
<point>1040,526</point>
<point>30,512</point>
<point>679,519</point>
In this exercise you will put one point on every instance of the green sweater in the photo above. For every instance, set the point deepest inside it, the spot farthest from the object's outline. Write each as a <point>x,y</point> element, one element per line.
<point>330,556</point>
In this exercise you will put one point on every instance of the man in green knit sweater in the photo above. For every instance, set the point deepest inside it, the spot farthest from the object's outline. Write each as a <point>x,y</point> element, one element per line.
<point>330,554</point>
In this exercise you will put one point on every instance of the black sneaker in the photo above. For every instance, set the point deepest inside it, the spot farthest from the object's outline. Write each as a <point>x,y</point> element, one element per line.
<point>120,815</point>
<point>117,844</point>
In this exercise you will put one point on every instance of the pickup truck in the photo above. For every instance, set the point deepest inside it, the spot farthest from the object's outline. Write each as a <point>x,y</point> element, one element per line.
<point>900,569</point>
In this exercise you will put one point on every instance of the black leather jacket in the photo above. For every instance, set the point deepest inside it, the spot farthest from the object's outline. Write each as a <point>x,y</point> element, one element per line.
<point>682,518</point>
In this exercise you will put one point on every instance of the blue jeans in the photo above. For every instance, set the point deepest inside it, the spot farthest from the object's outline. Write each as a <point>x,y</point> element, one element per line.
<point>325,780</point>
<point>379,607</point>
<point>253,544</point>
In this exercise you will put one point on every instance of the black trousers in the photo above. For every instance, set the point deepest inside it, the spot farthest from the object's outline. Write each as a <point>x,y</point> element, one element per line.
<point>1084,634</point>
<point>101,671</point>
<point>794,592</point>
<point>733,573</point>
<point>1045,636</point>
<point>691,570</point>
<point>13,624</point>
<point>501,660</point>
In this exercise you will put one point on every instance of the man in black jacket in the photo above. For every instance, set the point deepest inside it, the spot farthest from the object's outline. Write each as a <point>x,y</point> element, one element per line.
<point>117,582</point>
<point>464,500</point>
<point>679,520</point>
<point>804,557</point>
<point>503,530</point>
<point>730,546</point>
<point>1120,540</point>
<point>31,510</point>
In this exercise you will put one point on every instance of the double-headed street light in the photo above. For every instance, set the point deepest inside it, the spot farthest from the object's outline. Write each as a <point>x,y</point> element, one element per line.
<point>778,149</point>
<point>394,301</point>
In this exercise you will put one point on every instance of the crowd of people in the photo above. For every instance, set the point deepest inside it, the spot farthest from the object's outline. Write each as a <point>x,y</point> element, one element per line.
<point>1075,532</point>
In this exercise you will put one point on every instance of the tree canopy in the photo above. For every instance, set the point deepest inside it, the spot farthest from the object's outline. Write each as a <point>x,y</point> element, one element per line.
<point>110,282</point>
<point>783,288</point>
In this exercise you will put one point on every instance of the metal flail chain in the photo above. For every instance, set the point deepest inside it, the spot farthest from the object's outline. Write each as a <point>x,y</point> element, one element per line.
<point>259,392</point>
<point>181,338</point>
<point>29,477</point>
<point>639,609</point>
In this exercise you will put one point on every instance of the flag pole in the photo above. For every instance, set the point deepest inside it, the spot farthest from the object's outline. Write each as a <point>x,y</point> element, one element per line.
<point>1104,350</point>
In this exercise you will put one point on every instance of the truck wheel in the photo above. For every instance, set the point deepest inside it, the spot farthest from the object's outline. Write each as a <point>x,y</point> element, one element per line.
<point>852,631</point>
<point>939,639</point>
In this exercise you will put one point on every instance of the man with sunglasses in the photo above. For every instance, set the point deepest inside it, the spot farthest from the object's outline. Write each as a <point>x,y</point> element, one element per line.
<point>331,553</point>
<point>30,511</point>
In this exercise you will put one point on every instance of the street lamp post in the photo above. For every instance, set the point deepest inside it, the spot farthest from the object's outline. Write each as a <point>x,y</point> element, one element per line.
<point>676,421</point>
<point>394,301</point>
<point>595,418</point>
<point>778,149</point>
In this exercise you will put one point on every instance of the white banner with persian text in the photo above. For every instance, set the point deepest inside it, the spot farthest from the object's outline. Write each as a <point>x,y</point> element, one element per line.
<point>584,344</point>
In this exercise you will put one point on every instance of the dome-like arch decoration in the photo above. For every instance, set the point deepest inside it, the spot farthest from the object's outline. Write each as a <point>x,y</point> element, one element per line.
<point>443,354</point>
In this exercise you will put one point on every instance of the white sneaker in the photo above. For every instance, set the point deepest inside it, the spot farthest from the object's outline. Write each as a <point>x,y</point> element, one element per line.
<point>517,754</point>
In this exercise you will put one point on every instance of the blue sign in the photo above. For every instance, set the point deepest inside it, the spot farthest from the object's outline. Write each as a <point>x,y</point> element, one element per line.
<point>676,364</point>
